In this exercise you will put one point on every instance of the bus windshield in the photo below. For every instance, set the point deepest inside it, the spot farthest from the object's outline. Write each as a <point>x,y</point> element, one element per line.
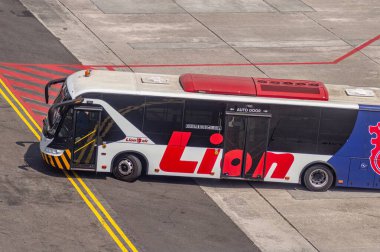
<point>57,110</point>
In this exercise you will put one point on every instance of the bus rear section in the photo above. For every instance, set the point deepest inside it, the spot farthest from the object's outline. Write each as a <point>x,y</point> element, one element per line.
<point>173,132</point>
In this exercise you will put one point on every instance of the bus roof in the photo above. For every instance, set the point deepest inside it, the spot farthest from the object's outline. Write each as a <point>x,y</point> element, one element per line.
<point>190,86</point>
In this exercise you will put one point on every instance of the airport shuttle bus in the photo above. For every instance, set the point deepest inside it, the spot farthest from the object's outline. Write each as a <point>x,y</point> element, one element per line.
<point>260,129</point>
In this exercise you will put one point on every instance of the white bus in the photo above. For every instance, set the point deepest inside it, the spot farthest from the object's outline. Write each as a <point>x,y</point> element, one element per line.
<point>193,125</point>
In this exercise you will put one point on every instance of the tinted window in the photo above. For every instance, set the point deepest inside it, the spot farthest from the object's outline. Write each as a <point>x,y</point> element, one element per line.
<point>162,117</point>
<point>294,129</point>
<point>202,119</point>
<point>335,128</point>
<point>63,137</point>
<point>109,130</point>
<point>131,107</point>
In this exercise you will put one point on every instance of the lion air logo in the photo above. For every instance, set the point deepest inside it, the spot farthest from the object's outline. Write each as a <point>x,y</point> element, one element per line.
<point>375,152</point>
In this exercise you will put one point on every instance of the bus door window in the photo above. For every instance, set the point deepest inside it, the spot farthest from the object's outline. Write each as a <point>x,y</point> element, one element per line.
<point>245,145</point>
<point>256,145</point>
<point>234,142</point>
<point>86,132</point>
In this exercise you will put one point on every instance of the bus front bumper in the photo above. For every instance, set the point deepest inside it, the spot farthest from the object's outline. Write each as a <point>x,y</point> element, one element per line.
<point>54,157</point>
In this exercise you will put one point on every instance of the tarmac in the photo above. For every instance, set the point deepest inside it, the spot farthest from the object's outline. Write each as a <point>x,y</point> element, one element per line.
<point>308,39</point>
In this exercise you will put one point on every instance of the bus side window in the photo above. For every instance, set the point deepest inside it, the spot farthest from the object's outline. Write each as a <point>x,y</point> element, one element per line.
<point>109,130</point>
<point>162,117</point>
<point>294,129</point>
<point>131,107</point>
<point>335,129</point>
<point>202,119</point>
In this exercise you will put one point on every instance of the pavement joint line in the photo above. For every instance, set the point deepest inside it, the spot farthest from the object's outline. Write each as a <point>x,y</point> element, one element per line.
<point>72,181</point>
<point>354,48</point>
<point>93,33</point>
<point>219,37</point>
<point>283,217</point>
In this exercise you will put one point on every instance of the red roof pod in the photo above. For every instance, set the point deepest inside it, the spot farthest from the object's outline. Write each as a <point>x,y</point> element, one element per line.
<point>214,84</point>
<point>293,89</point>
<point>263,87</point>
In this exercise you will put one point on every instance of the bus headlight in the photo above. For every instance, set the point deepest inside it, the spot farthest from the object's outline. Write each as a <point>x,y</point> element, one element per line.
<point>53,151</point>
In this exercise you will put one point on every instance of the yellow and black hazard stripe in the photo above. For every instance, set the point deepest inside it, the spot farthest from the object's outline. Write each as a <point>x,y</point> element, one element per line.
<point>62,161</point>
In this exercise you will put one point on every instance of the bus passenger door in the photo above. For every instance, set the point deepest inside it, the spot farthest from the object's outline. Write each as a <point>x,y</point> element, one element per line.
<point>245,146</point>
<point>86,127</point>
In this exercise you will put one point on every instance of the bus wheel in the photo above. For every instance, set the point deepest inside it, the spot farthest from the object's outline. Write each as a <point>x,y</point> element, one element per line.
<point>127,167</point>
<point>318,178</point>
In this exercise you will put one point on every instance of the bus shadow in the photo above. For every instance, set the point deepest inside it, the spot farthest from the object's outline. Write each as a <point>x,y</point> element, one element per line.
<point>33,160</point>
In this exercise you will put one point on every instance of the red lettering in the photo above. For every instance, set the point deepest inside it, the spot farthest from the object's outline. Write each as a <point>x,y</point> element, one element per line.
<point>208,161</point>
<point>171,160</point>
<point>232,163</point>
<point>283,161</point>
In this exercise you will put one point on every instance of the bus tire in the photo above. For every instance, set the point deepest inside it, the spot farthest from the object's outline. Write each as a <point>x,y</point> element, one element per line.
<point>318,178</point>
<point>127,167</point>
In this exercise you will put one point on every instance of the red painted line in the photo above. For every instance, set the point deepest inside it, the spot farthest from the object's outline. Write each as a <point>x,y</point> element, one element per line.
<point>23,94</point>
<point>357,49</point>
<point>37,72</point>
<point>57,68</point>
<point>23,76</point>
<point>34,88</point>
<point>34,107</point>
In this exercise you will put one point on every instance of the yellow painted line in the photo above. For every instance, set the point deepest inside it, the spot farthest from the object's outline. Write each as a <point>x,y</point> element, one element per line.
<point>96,213</point>
<point>21,106</point>
<point>84,146</point>
<point>84,197</point>
<point>86,136</point>
<point>104,211</point>
<point>20,115</point>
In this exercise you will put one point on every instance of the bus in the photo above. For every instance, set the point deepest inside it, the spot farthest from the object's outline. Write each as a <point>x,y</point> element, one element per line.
<point>207,126</point>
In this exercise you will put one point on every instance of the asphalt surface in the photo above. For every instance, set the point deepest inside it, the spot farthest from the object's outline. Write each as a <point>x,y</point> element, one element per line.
<point>40,209</point>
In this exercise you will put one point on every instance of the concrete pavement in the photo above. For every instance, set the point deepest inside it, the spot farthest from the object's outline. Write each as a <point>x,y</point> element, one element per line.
<point>243,32</point>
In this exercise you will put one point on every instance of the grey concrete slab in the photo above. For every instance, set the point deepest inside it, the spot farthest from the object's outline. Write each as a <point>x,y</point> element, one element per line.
<point>358,70</point>
<point>331,224</point>
<point>373,52</point>
<point>259,220</point>
<point>71,32</point>
<point>343,5</point>
<point>141,6</point>
<point>289,5</point>
<point>230,71</point>
<point>245,27</point>
<point>210,6</point>
<point>294,54</point>
<point>148,28</point>
<point>350,25</point>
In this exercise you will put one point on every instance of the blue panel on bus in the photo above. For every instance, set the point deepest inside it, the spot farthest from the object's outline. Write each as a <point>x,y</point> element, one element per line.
<point>361,174</point>
<point>359,146</point>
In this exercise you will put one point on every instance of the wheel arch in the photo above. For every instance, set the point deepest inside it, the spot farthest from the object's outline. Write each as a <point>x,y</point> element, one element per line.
<point>331,168</point>
<point>140,156</point>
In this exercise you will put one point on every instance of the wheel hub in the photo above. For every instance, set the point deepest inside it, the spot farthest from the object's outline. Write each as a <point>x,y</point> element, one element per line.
<point>126,167</point>
<point>318,178</point>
